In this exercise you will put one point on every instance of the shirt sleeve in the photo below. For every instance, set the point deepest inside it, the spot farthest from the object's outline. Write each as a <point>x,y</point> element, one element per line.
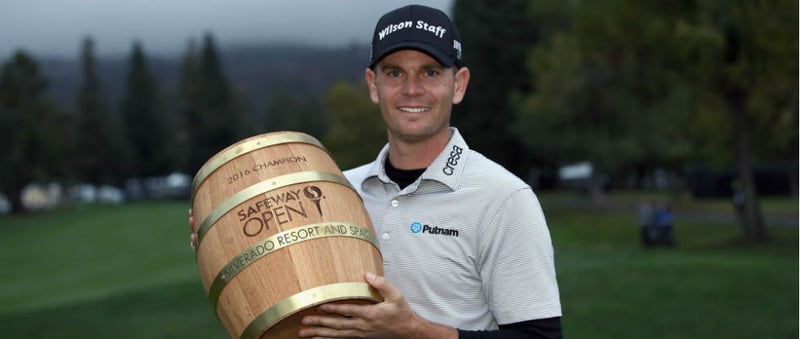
<point>516,261</point>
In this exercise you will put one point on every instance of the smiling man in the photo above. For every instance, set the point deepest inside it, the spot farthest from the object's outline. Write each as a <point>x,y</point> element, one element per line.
<point>466,248</point>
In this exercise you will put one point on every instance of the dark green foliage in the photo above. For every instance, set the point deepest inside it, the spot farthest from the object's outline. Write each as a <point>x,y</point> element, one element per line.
<point>210,119</point>
<point>624,82</point>
<point>101,156</point>
<point>145,122</point>
<point>288,110</point>
<point>34,139</point>
<point>639,85</point>
<point>605,92</point>
<point>748,73</point>
<point>496,36</point>
<point>357,132</point>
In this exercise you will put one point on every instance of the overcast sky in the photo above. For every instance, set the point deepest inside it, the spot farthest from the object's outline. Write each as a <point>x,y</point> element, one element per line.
<point>56,27</point>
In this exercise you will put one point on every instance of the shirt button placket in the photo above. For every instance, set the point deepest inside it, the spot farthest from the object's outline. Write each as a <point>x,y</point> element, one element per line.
<point>394,204</point>
<point>390,218</point>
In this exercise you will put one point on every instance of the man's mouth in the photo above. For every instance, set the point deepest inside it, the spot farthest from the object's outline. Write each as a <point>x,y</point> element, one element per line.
<point>413,109</point>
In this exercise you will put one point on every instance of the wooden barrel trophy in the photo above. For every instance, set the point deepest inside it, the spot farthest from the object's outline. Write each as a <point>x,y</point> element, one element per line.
<point>280,231</point>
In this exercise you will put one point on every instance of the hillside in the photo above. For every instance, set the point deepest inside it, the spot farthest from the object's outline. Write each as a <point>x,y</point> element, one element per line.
<point>252,71</point>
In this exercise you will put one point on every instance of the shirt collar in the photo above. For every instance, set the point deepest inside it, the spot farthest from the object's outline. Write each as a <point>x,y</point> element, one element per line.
<point>446,168</point>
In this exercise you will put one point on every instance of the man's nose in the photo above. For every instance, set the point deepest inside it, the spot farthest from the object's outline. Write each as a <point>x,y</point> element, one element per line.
<point>413,86</point>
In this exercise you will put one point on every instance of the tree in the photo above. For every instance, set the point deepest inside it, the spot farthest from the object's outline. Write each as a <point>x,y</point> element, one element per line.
<point>32,132</point>
<point>607,93</point>
<point>210,114</point>
<point>710,80</point>
<point>492,32</point>
<point>745,64</point>
<point>143,117</point>
<point>189,110</point>
<point>357,131</point>
<point>293,110</point>
<point>101,153</point>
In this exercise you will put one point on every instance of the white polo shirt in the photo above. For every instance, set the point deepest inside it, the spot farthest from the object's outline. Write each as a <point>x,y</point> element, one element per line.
<point>467,243</point>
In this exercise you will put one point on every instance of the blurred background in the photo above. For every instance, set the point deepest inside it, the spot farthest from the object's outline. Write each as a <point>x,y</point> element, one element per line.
<point>609,109</point>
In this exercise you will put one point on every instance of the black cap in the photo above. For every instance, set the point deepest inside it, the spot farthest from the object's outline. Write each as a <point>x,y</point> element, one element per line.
<point>417,27</point>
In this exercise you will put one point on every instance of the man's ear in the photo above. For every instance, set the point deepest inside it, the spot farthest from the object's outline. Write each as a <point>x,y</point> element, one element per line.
<point>370,75</point>
<point>461,82</point>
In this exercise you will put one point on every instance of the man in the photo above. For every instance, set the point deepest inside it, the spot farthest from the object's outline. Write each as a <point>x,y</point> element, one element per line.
<point>465,245</point>
<point>466,249</point>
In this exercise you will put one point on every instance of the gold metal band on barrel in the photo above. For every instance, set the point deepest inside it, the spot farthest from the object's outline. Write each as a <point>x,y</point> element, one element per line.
<point>261,188</point>
<point>305,299</point>
<point>281,240</point>
<point>245,147</point>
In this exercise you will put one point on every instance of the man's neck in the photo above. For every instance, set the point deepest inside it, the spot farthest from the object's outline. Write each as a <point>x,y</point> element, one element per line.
<point>415,155</point>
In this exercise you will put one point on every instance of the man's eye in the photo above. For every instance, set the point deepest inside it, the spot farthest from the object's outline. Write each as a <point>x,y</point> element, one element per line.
<point>432,73</point>
<point>393,74</point>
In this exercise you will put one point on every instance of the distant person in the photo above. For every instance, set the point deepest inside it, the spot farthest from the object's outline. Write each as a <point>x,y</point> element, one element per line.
<point>663,224</point>
<point>647,227</point>
<point>738,199</point>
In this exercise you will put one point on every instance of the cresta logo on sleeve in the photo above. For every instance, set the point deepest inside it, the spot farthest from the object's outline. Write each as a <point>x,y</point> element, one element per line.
<point>452,160</point>
<point>417,227</point>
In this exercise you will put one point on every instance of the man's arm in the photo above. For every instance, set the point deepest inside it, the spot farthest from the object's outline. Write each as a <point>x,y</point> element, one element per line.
<point>392,318</point>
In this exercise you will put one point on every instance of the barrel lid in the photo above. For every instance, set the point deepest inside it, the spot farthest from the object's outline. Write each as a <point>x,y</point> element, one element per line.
<point>246,146</point>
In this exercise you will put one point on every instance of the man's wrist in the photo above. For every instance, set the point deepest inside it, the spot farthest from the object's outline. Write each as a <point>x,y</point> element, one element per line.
<point>424,329</point>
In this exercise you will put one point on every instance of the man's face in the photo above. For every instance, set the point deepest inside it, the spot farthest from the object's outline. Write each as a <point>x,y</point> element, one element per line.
<point>416,94</point>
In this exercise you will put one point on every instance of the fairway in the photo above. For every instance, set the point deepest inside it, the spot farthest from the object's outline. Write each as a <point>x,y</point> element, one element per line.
<point>127,271</point>
<point>97,271</point>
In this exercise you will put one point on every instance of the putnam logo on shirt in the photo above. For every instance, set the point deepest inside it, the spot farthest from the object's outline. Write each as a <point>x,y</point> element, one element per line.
<point>417,227</point>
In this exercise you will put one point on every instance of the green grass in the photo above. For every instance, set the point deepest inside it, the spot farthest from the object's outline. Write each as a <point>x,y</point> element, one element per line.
<point>709,286</point>
<point>102,271</point>
<point>127,272</point>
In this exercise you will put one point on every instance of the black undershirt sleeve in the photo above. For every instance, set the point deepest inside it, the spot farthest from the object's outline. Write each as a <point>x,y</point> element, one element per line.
<point>549,328</point>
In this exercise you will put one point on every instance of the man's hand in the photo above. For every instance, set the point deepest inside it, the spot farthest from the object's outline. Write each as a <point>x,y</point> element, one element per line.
<point>193,237</point>
<point>392,318</point>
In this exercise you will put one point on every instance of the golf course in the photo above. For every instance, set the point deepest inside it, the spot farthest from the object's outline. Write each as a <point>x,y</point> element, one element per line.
<point>127,271</point>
